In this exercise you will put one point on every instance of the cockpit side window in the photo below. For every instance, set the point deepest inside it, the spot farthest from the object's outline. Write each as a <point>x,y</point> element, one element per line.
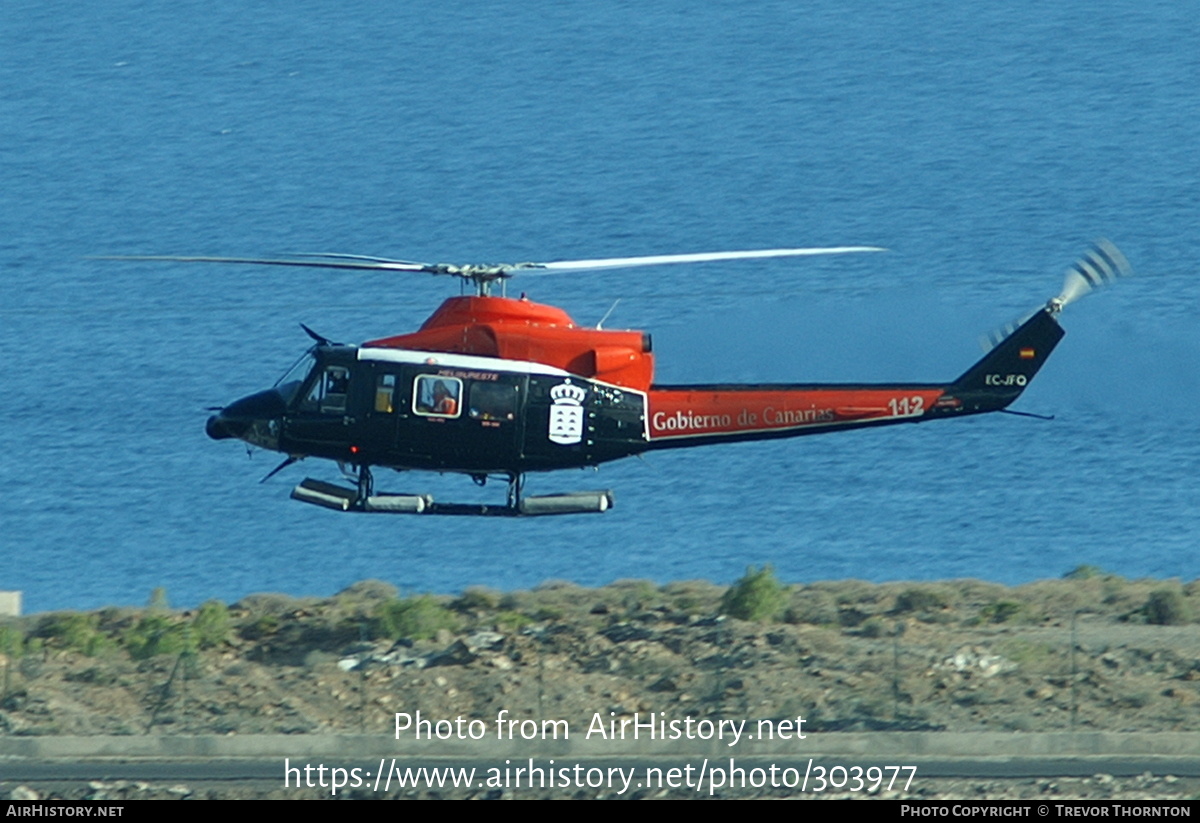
<point>327,393</point>
<point>437,396</point>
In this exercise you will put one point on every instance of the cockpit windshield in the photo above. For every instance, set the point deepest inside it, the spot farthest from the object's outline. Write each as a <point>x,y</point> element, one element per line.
<point>299,369</point>
<point>292,379</point>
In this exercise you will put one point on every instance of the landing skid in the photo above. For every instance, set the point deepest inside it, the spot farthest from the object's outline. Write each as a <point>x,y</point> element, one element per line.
<point>364,499</point>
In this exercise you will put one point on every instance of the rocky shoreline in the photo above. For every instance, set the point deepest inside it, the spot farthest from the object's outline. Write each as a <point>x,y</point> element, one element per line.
<point>1090,652</point>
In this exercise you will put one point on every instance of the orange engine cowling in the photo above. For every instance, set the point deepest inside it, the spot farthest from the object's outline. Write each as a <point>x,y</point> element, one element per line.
<point>524,330</point>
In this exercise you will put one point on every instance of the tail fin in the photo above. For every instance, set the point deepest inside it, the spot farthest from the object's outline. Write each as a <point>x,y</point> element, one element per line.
<point>1003,373</point>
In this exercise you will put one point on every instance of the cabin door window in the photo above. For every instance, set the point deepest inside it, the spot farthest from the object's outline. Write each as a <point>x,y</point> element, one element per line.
<point>437,396</point>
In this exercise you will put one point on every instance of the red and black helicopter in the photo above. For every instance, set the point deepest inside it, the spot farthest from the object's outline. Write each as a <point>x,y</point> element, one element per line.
<point>492,386</point>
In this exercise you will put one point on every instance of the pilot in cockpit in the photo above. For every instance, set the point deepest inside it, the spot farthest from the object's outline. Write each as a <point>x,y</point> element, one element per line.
<point>443,401</point>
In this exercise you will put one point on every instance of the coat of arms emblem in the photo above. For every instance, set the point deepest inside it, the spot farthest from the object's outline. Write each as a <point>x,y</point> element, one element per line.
<point>566,415</point>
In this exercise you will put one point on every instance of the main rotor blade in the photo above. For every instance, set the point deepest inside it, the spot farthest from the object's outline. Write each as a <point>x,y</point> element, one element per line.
<point>701,257</point>
<point>370,258</point>
<point>484,273</point>
<point>331,261</point>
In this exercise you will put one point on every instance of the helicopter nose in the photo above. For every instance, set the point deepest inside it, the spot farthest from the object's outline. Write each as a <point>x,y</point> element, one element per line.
<point>240,416</point>
<point>217,428</point>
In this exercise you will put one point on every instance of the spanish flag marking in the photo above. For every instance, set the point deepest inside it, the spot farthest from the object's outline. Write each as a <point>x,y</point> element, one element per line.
<point>1028,354</point>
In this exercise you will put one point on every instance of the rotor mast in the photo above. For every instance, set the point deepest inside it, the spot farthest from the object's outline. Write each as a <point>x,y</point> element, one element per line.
<point>482,275</point>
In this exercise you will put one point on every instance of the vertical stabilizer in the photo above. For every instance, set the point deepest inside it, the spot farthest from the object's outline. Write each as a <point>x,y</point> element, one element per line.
<point>1003,373</point>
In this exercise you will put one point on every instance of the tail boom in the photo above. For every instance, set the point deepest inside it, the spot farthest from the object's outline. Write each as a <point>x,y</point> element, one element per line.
<point>681,416</point>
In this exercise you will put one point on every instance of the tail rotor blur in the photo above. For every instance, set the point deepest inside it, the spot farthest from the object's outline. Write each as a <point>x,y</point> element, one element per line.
<point>1099,266</point>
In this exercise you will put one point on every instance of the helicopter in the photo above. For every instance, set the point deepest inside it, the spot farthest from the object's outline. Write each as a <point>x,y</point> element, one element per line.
<point>493,386</point>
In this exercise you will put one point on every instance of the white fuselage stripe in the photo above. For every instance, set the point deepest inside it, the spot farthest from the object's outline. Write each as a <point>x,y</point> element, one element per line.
<point>460,361</point>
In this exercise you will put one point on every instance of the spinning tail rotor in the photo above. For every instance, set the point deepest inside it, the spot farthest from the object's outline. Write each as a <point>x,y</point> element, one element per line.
<point>1099,266</point>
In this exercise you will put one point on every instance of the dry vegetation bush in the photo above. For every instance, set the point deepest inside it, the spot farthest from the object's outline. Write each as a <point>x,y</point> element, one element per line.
<point>1005,611</point>
<point>157,634</point>
<point>414,618</point>
<point>268,604</point>
<point>635,595</point>
<point>477,599</point>
<point>12,640</point>
<point>75,631</point>
<point>924,600</point>
<point>550,598</point>
<point>851,592</point>
<point>693,596</point>
<point>368,590</point>
<point>757,595</point>
<point>810,604</point>
<point>212,625</point>
<point>139,633</point>
<point>354,609</point>
<point>1167,607</point>
<point>1060,597</point>
<point>555,599</point>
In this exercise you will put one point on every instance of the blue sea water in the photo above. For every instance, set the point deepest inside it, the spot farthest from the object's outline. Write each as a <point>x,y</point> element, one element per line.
<point>984,145</point>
